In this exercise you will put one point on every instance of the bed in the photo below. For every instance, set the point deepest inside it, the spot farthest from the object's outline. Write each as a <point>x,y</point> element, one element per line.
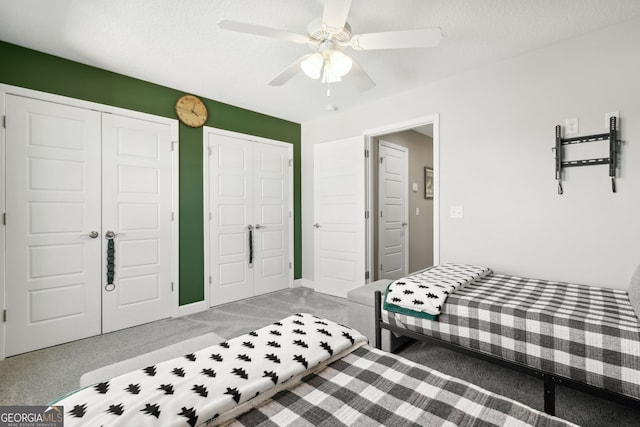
<point>583,337</point>
<point>300,371</point>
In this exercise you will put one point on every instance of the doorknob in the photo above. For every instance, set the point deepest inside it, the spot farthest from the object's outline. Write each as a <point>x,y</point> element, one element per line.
<point>258,226</point>
<point>92,234</point>
<point>404,224</point>
<point>111,235</point>
<point>316,225</point>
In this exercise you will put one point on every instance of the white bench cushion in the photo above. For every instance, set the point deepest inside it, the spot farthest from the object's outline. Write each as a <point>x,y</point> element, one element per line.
<point>151,358</point>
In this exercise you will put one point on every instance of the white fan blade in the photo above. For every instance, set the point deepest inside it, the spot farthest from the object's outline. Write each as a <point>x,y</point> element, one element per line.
<point>243,27</point>
<point>288,73</point>
<point>426,37</point>
<point>360,77</point>
<point>335,14</point>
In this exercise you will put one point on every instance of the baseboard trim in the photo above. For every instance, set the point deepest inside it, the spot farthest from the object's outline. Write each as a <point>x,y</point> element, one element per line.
<point>195,307</point>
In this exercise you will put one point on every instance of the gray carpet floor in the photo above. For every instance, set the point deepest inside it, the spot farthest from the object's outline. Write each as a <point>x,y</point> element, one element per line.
<point>38,377</point>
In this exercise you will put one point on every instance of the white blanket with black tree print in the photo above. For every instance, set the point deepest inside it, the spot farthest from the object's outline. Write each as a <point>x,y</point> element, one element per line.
<point>217,383</point>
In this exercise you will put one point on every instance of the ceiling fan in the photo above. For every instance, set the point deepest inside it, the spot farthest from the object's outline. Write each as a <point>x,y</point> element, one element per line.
<point>329,36</point>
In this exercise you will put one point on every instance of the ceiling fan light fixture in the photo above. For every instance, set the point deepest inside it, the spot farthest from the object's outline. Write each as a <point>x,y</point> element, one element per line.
<point>329,75</point>
<point>312,65</point>
<point>340,63</point>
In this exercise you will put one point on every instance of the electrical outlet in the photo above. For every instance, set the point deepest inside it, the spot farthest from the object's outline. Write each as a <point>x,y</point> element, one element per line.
<point>571,126</point>
<point>608,116</point>
<point>456,212</point>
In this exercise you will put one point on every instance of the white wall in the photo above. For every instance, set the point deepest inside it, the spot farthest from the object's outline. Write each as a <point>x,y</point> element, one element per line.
<point>496,134</point>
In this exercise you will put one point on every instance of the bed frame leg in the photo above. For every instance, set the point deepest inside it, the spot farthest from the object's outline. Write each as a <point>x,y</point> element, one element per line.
<point>549,395</point>
<point>377,300</point>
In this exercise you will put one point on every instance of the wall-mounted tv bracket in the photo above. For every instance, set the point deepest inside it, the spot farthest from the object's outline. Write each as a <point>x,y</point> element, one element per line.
<point>612,160</point>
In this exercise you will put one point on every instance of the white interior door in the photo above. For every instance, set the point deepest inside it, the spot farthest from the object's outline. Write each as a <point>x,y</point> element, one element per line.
<point>137,209</point>
<point>230,198</point>
<point>53,207</point>
<point>249,217</point>
<point>271,216</point>
<point>74,174</point>
<point>339,219</point>
<point>392,205</point>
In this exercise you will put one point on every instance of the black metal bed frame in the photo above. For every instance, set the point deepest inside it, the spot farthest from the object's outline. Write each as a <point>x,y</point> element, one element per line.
<point>549,379</point>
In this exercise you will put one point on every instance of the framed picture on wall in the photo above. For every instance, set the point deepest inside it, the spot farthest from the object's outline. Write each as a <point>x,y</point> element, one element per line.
<point>428,182</point>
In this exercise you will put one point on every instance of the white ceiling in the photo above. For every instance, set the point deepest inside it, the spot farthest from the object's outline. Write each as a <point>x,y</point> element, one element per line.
<point>177,43</point>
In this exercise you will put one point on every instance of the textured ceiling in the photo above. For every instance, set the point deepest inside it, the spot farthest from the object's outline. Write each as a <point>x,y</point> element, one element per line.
<point>177,43</point>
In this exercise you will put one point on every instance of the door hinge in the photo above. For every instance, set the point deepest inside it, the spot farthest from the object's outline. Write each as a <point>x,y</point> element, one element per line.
<point>4,122</point>
<point>366,153</point>
<point>173,216</point>
<point>366,275</point>
<point>173,145</point>
<point>171,286</point>
<point>381,159</point>
<point>210,216</point>
<point>289,266</point>
<point>366,214</point>
<point>380,214</point>
<point>381,269</point>
<point>4,315</point>
<point>4,218</point>
<point>209,150</point>
<point>290,162</point>
<point>209,279</point>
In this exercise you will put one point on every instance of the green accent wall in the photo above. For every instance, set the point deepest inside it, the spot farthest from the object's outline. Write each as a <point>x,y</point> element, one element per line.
<point>39,71</point>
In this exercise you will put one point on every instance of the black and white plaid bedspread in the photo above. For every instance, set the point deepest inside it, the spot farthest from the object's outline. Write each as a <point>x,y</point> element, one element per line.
<point>372,387</point>
<point>584,333</point>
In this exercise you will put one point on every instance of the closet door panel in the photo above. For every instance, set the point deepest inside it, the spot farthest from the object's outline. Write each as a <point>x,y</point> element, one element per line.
<point>271,216</point>
<point>137,206</point>
<point>53,204</point>
<point>230,198</point>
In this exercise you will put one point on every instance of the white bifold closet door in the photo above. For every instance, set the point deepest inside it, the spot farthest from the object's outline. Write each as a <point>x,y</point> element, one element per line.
<point>249,217</point>
<point>73,175</point>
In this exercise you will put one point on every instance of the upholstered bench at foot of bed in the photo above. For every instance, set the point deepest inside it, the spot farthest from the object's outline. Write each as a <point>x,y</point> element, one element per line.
<point>151,358</point>
<point>360,315</point>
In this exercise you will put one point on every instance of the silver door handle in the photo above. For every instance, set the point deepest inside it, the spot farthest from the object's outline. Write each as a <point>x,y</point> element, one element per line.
<point>404,224</point>
<point>92,234</point>
<point>316,225</point>
<point>110,235</point>
<point>258,226</point>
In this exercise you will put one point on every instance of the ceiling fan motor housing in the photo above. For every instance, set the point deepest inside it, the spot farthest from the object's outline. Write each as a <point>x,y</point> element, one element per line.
<point>319,35</point>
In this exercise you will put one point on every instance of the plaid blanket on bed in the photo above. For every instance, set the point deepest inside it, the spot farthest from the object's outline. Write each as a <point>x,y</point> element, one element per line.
<point>584,333</point>
<point>371,387</point>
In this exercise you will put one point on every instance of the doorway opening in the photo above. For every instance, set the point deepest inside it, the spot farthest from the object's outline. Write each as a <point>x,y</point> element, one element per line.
<point>402,179</point>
